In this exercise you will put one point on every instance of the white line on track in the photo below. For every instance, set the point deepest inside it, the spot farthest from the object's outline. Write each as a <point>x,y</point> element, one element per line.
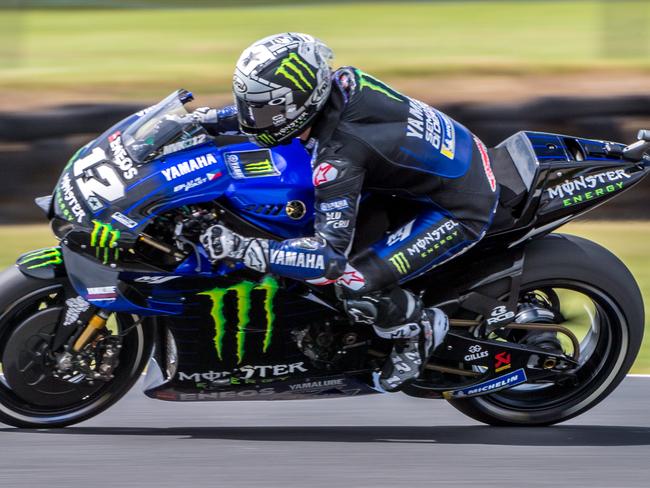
<point>638,375</point>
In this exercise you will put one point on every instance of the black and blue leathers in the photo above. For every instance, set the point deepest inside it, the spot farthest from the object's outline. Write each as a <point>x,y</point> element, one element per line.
<point>370,138</point>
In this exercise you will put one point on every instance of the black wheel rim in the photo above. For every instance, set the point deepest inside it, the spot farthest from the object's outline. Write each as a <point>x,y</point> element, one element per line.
<point>602,353</point>
<point>89,399</point>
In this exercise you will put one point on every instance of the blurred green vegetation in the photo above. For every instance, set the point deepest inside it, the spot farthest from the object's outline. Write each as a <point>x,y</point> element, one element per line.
<point>628,240</point>
<point>145,53</point>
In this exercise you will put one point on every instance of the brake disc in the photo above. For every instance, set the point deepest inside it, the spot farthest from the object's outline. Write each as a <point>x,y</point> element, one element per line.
<point>28,368</point>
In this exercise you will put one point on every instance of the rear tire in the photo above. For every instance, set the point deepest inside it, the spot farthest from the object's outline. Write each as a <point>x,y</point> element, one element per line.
<point>564,259</point>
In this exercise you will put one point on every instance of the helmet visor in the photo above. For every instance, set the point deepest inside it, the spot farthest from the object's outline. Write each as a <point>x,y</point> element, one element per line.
<point>260,117</point>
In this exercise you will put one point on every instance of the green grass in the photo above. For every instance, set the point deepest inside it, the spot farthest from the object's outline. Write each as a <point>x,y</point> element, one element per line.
<point>628,240</point>
<point>148,52</point>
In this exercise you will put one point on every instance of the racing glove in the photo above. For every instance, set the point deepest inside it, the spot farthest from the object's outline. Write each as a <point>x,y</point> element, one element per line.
<point>222,243</point>
<point>217,122</point>
<point>205,115</point>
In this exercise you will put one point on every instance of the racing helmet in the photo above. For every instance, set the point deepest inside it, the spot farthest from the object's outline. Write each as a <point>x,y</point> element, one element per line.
<point>280,84</point>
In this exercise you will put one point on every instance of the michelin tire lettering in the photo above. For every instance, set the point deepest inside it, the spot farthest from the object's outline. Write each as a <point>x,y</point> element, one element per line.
<point>495,384</point>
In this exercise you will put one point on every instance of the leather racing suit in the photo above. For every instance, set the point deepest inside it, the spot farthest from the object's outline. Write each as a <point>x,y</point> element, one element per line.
<point>372,139</point>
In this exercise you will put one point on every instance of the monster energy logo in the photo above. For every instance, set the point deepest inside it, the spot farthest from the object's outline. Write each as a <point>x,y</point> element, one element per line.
<point>243,295</point>
<point>400,262</point>
<point>266,139</point>
<point>41,258</point>
<point>259,168</point>
<point>104,238</point>
<point>367,81</point>
<point>297,71</point>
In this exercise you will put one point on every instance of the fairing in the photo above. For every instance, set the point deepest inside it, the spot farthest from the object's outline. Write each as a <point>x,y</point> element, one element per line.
<point>159,159</point>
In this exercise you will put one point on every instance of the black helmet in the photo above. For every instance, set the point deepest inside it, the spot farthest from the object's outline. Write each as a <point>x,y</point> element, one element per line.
<point>280,84</point>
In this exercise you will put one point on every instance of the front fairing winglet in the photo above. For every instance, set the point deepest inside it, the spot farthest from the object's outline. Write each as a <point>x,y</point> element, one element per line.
<point>43,264</point>
<point>101,286</point>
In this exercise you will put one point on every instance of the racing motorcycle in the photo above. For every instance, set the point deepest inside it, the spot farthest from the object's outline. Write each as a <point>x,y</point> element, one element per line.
<point>130,285</point>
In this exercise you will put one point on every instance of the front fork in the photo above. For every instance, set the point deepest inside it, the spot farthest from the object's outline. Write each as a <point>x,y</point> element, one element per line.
<point>96,323</point>
<point>90,353</point>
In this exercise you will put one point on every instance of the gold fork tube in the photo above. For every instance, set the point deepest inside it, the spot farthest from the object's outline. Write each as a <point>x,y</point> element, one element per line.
<point>96,323</point>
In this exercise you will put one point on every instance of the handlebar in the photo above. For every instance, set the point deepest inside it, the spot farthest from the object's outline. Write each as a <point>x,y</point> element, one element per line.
<point>637,151</point>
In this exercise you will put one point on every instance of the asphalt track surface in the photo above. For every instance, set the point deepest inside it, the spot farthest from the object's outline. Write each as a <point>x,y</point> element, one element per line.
<point>377,441</point>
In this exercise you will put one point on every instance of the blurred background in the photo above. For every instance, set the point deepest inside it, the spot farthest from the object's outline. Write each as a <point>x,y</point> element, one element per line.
<point>70,69</point>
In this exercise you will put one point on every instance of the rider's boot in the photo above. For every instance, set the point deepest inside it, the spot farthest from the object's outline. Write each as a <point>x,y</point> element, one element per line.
<point>409,356</point>
<point>419,333</point>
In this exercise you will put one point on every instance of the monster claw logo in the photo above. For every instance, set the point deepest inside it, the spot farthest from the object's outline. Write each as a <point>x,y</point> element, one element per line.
<point>265,138</point>
<point>262,167</point>
<point>243,293</point>
<point>367,81</point>
<point>297,71</point>
<point>41,258</point>
<point>104,238</point>
<point>400,262</point>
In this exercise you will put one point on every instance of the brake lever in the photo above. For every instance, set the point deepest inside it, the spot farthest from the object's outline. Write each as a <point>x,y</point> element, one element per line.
<point>178,234</point>
<point>637,152</point>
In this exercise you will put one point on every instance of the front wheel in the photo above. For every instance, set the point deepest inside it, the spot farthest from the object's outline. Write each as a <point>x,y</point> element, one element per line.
<point>590,291</point>
<point>30,394</point>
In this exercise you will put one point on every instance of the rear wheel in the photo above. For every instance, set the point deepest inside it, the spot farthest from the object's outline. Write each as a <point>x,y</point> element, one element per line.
<point>32,394</point>
<point>592,293</point>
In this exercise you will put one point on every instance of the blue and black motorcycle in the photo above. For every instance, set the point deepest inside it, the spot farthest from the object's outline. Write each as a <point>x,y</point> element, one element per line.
<point>130,286</point>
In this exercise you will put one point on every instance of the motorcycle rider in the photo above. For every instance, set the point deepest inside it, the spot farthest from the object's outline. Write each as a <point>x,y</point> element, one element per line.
<point>363,136</point>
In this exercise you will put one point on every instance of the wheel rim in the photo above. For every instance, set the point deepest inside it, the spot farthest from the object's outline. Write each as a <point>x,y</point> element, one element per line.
<point>88,399</point>
<point>603,346</point>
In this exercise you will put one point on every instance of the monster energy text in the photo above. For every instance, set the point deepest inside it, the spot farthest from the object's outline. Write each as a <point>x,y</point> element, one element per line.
<point>67,201</point>
<point>242,292</point>
<point>590,195</point>
<point>432,240</point>
<point>590,182</point>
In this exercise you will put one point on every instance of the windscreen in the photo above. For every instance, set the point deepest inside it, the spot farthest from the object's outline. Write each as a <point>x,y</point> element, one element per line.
<point>160,124</point>
<point>94,184</point>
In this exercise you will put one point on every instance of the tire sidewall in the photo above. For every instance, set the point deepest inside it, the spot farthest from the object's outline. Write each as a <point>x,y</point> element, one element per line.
<point>14,286</point>
<point>564,257</point>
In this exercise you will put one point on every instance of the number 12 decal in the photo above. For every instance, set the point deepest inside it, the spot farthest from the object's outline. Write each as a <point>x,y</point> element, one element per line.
<point>104,183</point>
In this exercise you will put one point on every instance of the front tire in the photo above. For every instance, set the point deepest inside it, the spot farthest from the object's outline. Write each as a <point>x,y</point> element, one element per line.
<point>576,264</point>
<point>29,312</point>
